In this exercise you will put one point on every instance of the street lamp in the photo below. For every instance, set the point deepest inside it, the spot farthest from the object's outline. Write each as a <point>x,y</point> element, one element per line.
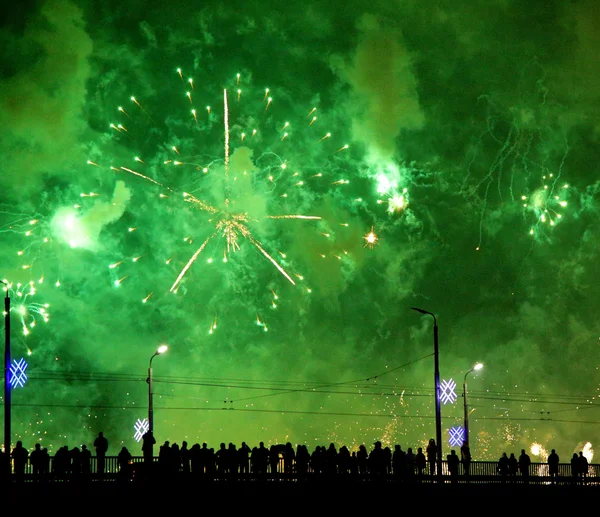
<point>475,368</point>
<point>438,414</point>
<point>7,405</point>
<point>161,350</point>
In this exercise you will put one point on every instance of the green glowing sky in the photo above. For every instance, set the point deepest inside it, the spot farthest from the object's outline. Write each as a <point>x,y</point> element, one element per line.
<point>483,122</point>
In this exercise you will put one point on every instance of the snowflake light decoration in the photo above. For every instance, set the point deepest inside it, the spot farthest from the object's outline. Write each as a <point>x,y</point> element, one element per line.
<point>456,436</point>
<point>18,377</point>
<point>141,427</point>
<point>448,392</point>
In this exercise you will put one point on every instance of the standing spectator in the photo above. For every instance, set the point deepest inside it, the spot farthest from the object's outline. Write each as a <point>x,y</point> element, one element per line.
<point>331,463</point>
<point>124,461</point>
<point>503,466</point>
<point>289,457</point>
<point>302,460</point>
<point>553,465</point>
<point>465,458</point>
<point>398,462</point>
<point>45,462</point>
<point>86,460</point>
<point>221,458</point>
<point>377,460</point>
<point>420,461</point>
<point>185,458</point>
<point>36,459</point>
<point>410,463</point>
<point>453,462</point>
<point>431,452</point>
<point>75,455</point>
<point>148,442</point>
<point>582,466</point>
<point>524,463</point>
<point>244,458</point>
<point>513,466</point>
<point>101,444</point>
<point>343,461</point>
<point>575,467</point>
<point>362,457</point>
<point>20,455</point>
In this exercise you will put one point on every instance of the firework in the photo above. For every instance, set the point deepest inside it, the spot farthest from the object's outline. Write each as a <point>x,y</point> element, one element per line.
<point>257,177</point>
<point>371,239</point>
<point>28,311</point>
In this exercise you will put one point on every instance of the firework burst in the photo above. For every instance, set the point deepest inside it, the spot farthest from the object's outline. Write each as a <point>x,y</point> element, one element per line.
<point>267,170</point>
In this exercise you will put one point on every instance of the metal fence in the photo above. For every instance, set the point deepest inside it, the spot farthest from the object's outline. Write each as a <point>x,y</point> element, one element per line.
<point>480,472</point>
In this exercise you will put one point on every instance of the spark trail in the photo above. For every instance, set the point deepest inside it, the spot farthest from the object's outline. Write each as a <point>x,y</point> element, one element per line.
<point>232,213</point>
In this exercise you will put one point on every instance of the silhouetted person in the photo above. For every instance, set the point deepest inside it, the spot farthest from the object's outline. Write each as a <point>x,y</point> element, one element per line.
<point>575,467</point>
<point>410,463</point>
<point>232,460</point>
<point>61,462</point>
<point>86,460</point>
<point>101,445</point>
<point>19,456</point>
<point>164,457</point>
<point>260,459</point>
<point>203,459</point>
<point>45,462</point>
<point>221,458</point>
<point>431,453</point>
<point>465,458</point>
<point>302,460</point>
<point>582,466</point>
<point>124,461</point>
<point>184,452</point>
<point>174,459</point>
<point>343,461</point>
<point>353,465</point>
<point>289,458</point>
<point>148,442</point>
<point>513,466</point>
<point>524,464</point>
<point>36,458</point>
<point>331,460</point>
<point>503,466</point>
<point>362,457</point>
<point>399,462</point>
<point>377,460</point>
<point>553,465</point>
<point>453,463</point>
<point>243,460</point>
<point>420,461</point>
<point>75,455</point>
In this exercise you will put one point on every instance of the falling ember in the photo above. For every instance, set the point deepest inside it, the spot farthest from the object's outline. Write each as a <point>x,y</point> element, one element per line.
<point>371,239</point>
<point>213,325</point>
<point>147,298</point>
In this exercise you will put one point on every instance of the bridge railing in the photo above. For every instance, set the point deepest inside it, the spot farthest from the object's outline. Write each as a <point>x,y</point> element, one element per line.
<point>479,472</point>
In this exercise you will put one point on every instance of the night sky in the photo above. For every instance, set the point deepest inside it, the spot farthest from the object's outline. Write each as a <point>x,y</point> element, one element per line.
<point>462,136</point>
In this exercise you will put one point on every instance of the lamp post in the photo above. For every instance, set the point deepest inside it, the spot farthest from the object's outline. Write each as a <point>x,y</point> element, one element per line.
<point>161,350</point>
<point>438,414</point>
<point>475,368</point>
<point>7,402</point>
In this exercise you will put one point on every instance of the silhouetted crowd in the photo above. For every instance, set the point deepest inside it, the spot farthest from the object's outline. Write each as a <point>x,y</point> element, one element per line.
<point>231,461</point>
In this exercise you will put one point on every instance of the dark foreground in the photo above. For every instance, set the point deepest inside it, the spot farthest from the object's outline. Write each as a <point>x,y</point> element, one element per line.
<point>267,496</point>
